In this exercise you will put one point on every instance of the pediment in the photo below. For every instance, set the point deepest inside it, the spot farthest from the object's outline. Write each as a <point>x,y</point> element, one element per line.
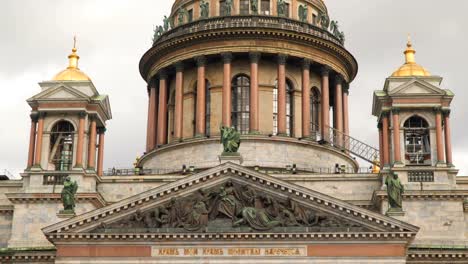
<point>60,92</point>
<point>416,87</point>
<point>229,199</point>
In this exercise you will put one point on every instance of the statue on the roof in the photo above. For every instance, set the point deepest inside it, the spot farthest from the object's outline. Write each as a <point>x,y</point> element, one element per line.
<point>181,16</point>
<point>281,8</point>
<point>230,139</point>
<point>254,6</point>
<point>158,31</point>
<point>395,190</point>
<point>204,9</point>
<point>303,13</point>
<point>323,20</point>
<point>227,7</point>
<point>68,195</point>
<point>166,23</point>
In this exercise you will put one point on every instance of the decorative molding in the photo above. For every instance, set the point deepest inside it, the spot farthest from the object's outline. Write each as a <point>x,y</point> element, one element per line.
<point>424,195</point>
<point>7,209</point>
<point>20,198</point>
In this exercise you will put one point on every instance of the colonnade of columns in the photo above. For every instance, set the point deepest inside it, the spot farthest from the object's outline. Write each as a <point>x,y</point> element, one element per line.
<point>158,101</point>
<point>443,137</point>
<point>36,139</point>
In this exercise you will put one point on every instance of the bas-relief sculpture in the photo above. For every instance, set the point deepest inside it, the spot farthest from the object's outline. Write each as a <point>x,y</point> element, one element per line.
<point>395,190</point>
<point>230,207</point>
<point>68,196</point>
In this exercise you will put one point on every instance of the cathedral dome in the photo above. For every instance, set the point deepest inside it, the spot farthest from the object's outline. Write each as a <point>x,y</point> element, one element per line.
<point>410,68</point>
<point>72,72</point>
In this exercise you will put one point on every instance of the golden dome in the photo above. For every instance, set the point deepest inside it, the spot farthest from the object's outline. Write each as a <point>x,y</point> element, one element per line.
<point>410,68</point>
<point>72,72</point>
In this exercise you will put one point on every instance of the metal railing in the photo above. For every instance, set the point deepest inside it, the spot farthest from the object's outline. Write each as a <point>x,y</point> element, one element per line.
<point>352,145</point>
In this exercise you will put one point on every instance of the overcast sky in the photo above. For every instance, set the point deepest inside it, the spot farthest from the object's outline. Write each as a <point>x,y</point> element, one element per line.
<point>36,37</point>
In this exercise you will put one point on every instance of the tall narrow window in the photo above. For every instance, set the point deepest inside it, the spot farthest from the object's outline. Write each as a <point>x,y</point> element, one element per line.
<point>289,108</point>
<point>207,108</point>
<point>241,103</point>
<point>417,141</point>
<point>314,111</point>
<point>244,7</point>
<point>61,146</point>
<point>265,7</point>
<point>286,9</point>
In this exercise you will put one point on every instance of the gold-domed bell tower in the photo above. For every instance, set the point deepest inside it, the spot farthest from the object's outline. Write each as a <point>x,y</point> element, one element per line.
<point>67,131</point>
<point>413,112</point>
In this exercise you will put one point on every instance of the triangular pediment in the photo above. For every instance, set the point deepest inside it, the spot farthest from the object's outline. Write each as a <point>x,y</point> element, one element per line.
<point>416,87</point>
<point>230,199</point>
<point>60,92</point>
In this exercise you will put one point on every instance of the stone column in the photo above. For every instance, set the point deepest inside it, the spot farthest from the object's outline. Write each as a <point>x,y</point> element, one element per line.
<point>152,119</point>
<point>92,145</point>
<point>226,108</point>
<point>381,155</point>
<point>346,111</point>
<point>254,97</point>
<point>282,94</point>
<point>39,139</point>
<point>338,110</point>
<point>179,102</point>
<point>396,136</point>
<point>306,98</point>
<point>439,136</point>
<point>162,112</point>
<point>80,144</point>
<point>325,72</point>
<point>448,139</point>
<point>32,140</point>
<point>100,162</point>
<point>200,129</point>
<point>385,140</point>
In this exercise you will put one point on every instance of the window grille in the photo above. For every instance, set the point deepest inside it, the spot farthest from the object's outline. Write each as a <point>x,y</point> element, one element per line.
<point>241,103</point>
<point>54,179</point>
<point>421,176</point>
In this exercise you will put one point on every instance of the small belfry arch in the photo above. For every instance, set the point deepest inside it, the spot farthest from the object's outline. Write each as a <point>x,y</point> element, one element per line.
<point>417,141</point>
<point>62,138</point>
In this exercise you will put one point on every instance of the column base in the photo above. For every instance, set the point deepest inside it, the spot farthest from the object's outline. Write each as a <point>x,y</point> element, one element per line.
<point>177,140</point>
<point>441,164</point>
<point>254,132</point>
<point>200,136</point>
<point>36,168</point>
<point>398,164</point>
<point>282,135</point>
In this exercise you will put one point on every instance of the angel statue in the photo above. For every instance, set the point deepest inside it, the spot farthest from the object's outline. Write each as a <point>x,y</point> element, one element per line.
<point>230,139</point>
<point>68,195</point>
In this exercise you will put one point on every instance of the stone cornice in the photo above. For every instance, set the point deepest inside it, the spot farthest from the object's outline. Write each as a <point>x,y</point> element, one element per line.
<point>146,237</point>
<point>437,255</point>
<point>21,198</point>
<point>242,27</point>
<point>6,209</point>
<point>27,255</point>
<point>305,196</point>
<point>425,194</point>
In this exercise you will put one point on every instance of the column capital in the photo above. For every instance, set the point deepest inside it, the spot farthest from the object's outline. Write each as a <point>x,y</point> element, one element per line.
<point>396,110</point>
<point>34,117</point>
<point>101,130</point>
<point>227,57</point>
<point>179,66</point>
<point>339,80</point>
<point>325,70</point>
<point>201,60</point>
<point>41,115</point>
<point>346,90</point>
<point>446,112</point>
<point>162,74</point>
<point>379,126</point>
<point>282,58</point>
<point>437,110</point>
<point>385,113</point>
<point>306,64</point>
<point>255,57</point>
<point>82,114</point>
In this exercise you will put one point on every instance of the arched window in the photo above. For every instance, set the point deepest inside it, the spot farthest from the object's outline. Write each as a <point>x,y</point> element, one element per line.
<point>289,108</point>
<point>244,7</point>
<point>61,146</point>
<point>207,108</point>
<point>314,111</point>
<point>417,141</point>
<point>240,114</point>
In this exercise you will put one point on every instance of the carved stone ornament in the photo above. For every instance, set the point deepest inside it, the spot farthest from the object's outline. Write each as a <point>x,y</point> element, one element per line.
<point>230,207</point>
